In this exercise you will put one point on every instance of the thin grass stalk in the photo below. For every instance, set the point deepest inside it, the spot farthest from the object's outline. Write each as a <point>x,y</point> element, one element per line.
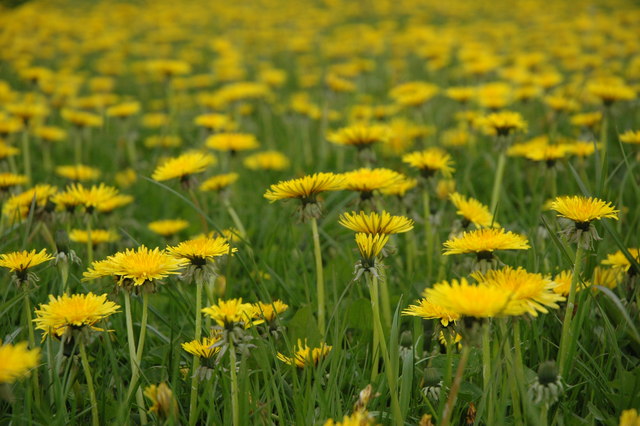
<point>567,335</point>
<point>372,281</point>
<point>135,367</point>
<point>95,419</point>
<point>235,409</point>
<point>457,381</point>
<point>497,182</point>
<point>193,402</point>
<point>486,370</point>
<point>32,344</point>
<point>235,218</point>
<point>26,154</point>
<point>427,230</point>
<point>512,375</point>
<point>89,241</point>
<point>319,276</point>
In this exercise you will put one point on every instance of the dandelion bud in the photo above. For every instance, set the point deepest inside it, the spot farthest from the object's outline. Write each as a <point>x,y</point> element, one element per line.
<point>164,404</point>
<point>548,385</point>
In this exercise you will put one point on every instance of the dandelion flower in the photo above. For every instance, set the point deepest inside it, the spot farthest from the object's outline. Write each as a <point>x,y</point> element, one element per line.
<point>304,356</point>
<point>472,211</point>
<point>219,182</point>
<point>631,137</point>
<point>430,161</point>
<point>269,311</point>
<point>359,135</point>
<point>16,361</point>
<point>163,402</point>
<point>367,180</point>
<point>183,166</point>
<point>231,312</point>
<point>232,142</point>
<point>98,236</point>
<point>204,348</point>
<point>370,247</point>
<point>563,283</point>
<point>18,262</point>
<point>579,212</point>
<point>619,260</point>
<point>504,123</point>
<point>374,223</point>
<point>168,227</point>
<point>78,172</point>
<point>9,180</point>
<point>67,313</point>
<point>484,242</point>
<point>267,160</point>
<point>427,310</point>
<point>201,250</point>
<point>479,301</point>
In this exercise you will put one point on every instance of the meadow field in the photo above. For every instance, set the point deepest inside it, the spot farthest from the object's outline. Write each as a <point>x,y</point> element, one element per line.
<point>320,212</point>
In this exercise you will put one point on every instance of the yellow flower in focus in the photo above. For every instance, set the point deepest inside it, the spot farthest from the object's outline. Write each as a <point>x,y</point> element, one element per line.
<point>305,188</point>
<point>366,180</point>
<point>304,356</point>
<point>16,361</point>
<point>19,261</point>
<point>583,210</point>
<point>201,250</point>
<point>203,348</point>
<point>374,223</point>
<point>370,247</point>
<point>183,166</point>
<point>485,241</point>
<point>68,313</point>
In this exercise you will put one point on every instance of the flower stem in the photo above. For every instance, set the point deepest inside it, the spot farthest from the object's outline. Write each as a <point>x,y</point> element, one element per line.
<point>453,395</point>
<point>486,369</point>
<point>427,230</point>
<point>235,218</point>
<point>497,181</point>
<point>601,173</point>
<point>89,241</point>
<point>193,402</point>
<point>26,154</point>
<point>32,344</point>
<point>391,375</point>
<point>92,392</point>
<point>135,366</point>
<point>567,335</point>
<point>234,384</point>
<point>319,275</point>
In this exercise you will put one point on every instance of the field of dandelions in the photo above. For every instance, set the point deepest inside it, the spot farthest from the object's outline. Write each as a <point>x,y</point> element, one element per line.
<point>320,212</point>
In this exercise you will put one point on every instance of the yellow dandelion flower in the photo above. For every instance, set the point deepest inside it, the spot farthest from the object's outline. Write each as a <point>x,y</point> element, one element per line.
<point>534,291</point>
<point>479,301</point>
<point>563,283</point>
<point>269,311</point>
<point>94,198</point>
<point>7,150</point>
<point>70,312</point>
<point>607,277</point>
<point>462,94</point>
<point>82,118</point>
<point>427,310</point>
<point>203,348</point>
<point>367,180</point>
<point>400,187</point>
<point>304,356</point>
<point>587,119</point>
<point>267,160</point>
<point>370,246</point>
<point>582,209</point>
<point>232,142</point>
<point>154,120</point>
<point>503,123</point>
<point>215,122</point>
<point>126,178</point>
<point>50,133</point>
<point>357,418</point>
<point>618,260</point>
<point>305,188</point>
<point>629,418</point>
<point>168,227</point>
<point>219,182</point>
<point>137,266</point>
<point>162,400</point>
<point>98,236</point>
<point>19,261</point>
<point>608,93</point>
<point>445,187</point>
<point>359,135</point>
<point>201,250</point>
<point>163,141</point>
<point>472,210</point>
<point>114,202</point>
<point>8,180</point>
<point>19,205</point>
<point>78,172</point>
<point>233,311</point>
<point>582,149</point>
<point>123,110</point>
<point>374,223</point>
<point>631,137</point>
<point>430,161</point>
<point>183,166</point>
<point>414,93</point>
<point>16,361</point>
<point>484,242</point>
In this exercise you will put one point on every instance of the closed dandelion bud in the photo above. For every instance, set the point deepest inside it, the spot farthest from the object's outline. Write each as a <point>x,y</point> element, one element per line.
<point>164,404</point>
<point>548,386</point>
<point>426,420</point>
<point>433,384</point>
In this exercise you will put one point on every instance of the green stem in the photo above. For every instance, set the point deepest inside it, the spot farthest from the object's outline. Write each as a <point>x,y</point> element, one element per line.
<point>511,375</point>
<point>427,230</point>
<point>92,393</point>
<point>135,366</point>
<point>235,218</point>
<point>32,344</point>
<point>497,182</point>
<point>486,370</point>
<point>234,384</point>
<point>196,202</point>
<point>26,154</point>
<point>193,402</point>
<point>457,381</point>
<point>385,301</point>
<point>391,375</point>
<point>601,173</point>
<point>567,335</point>
<point>319,275</point>
<point>89,240</point>
<point>544,416</point>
